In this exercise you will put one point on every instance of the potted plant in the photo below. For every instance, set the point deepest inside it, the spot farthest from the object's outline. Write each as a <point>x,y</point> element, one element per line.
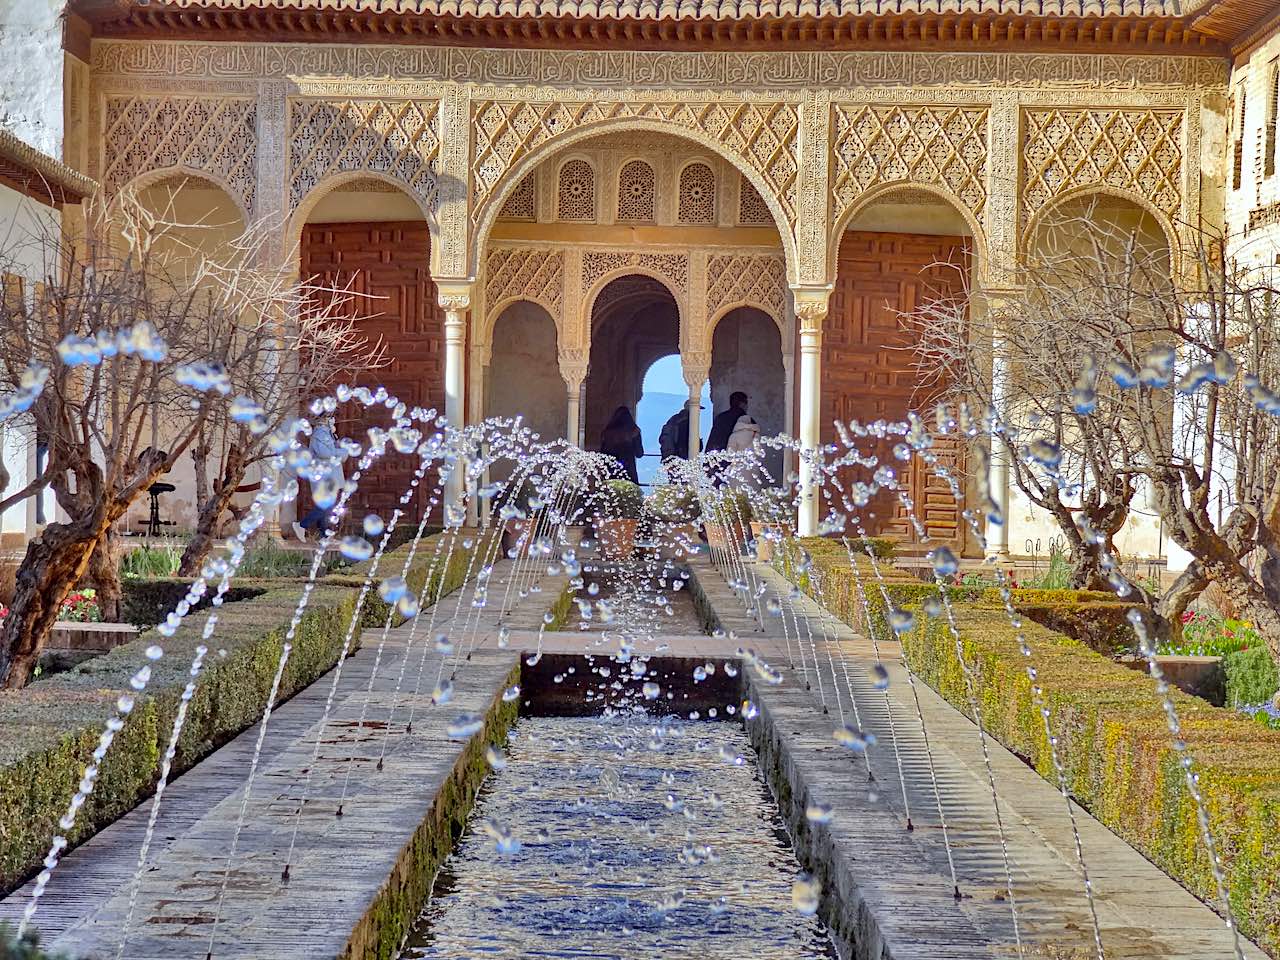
<point>771,519</point>
<point>677,510</point>
<point>731,518</point>
<point>616,524</point>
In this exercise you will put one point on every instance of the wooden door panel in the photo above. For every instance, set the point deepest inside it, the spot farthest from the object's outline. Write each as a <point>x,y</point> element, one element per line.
<point>385,264</point>
<point>869,367</point>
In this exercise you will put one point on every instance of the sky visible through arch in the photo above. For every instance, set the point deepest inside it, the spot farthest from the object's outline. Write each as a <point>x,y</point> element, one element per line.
<point>664,393</point>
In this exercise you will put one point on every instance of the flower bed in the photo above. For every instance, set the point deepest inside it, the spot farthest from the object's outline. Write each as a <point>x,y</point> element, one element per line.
<point>1113,740</point>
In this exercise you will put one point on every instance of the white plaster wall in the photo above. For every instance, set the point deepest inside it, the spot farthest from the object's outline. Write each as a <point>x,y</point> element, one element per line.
<point>31,73</point>
<point>524,376</point>
<point>1253,76</point>
<point>26,229</point>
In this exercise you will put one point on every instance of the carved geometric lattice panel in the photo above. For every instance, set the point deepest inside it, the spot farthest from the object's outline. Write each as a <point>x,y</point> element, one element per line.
<point>946,146</point>
<point>576,199</point>
<point>530,272</point>
<point>697,194</point>
<point>763,134</point>
<point>637,187</point>
<point>397,138</point>
<point>673,267</point>
<point>522,203</point>
<point>752,210</point>
<point>1137,150</point>
<point>745,279</point>
<point>218,136</point>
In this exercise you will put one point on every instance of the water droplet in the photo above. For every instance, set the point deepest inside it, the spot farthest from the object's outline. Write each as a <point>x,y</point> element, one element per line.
<point>652,691</point>
<point>155,652</point>
<point>818,812</point>
<point>392,589</point>
<point>511,693</point>
<point>443,692</point>
<point>879,677</point>
<point>805,894</point>
<point>494,757</point>
<point>749,710</point>
<point>854,738</point>
<point>356,548</point>
<point>464,726</point>
<point>373,525</point>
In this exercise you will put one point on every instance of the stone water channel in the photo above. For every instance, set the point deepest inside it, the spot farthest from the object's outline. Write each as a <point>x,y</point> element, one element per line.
<point>637,837</point>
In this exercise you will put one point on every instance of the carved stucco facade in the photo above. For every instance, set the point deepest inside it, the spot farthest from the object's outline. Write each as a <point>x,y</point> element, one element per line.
<point>818,135</point>
<point>800,143</point>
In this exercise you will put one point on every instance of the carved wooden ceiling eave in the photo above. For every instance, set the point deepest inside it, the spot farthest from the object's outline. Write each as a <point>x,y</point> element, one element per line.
<point>916,31</point>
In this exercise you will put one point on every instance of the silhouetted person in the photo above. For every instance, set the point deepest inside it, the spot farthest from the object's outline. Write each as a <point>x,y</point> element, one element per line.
<point>621,440</point>
<point>674,439</point>
<point>724,424</point>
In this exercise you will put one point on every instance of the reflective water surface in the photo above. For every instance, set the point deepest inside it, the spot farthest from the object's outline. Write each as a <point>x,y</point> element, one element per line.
<point>621,838</point>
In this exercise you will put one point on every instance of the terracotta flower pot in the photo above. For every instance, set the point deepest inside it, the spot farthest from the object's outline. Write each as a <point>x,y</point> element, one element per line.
<point>717,536</point>
<point>617,538</point>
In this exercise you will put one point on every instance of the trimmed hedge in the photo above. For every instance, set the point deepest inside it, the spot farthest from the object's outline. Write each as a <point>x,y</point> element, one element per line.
<point>148,600</point>
<point>1115,743</point>
<point>49,729</point>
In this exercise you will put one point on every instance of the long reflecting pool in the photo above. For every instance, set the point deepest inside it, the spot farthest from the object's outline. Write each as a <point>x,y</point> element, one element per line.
<point>622,837</point>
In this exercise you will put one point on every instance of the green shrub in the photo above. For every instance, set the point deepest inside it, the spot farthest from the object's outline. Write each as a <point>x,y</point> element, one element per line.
<point>49,729</point>
<point>145,602</point>
<point>675,503</point>
<point>1111,730</point>
<point>624,500</point>
<point>1252,677</point>
<point>28,948</point>
<point>148,561</point>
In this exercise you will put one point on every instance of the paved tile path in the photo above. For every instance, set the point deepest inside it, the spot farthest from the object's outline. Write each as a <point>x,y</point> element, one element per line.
<point>901,877</point>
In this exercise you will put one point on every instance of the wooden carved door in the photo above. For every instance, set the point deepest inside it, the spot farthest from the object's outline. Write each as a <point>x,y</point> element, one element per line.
<point>384,265</point>
<point>870,370</point>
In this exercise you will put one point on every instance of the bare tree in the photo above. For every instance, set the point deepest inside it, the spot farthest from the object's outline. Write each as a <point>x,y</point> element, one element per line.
<point>1088,373</point>
<point>112,342</point>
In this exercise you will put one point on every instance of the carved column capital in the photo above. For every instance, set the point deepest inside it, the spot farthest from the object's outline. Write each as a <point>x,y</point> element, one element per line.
<point>811,304</point>
<point>573,366</point>
<point>696,367</point>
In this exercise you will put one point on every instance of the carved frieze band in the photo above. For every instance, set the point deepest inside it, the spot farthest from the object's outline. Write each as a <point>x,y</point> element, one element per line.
<point>1139,151</point>
<point>763,135</point>
<point>213,135</point>
<point>874,145</point>
<point>192,61</point>
<point>399,139</point>
<point>672,267</point>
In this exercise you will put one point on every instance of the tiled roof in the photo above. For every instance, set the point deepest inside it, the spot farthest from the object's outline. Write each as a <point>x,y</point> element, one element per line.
<point>708,9</point>
<point>41,174</point>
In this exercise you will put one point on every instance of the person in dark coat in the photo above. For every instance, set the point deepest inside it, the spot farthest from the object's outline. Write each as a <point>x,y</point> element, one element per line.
<point>722,426</point>
<point>621,440</point>
<point>674,440</point>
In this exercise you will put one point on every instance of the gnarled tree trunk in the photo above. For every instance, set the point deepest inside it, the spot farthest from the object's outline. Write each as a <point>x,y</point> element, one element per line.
<point>104,575</point>
<point>211,513</point>
<point>55,561</point>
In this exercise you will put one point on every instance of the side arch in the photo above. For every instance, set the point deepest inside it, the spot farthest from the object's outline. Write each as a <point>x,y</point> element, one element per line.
<point>886,191</point>
<point>150,178</point>
<point>1037,220</point>
<point>486,214</point>
<point>298,218</point>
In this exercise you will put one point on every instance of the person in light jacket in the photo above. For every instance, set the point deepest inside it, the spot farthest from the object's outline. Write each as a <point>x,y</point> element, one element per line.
<point>325,448</point>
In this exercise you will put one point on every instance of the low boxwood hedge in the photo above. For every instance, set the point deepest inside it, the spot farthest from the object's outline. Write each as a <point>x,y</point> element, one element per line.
<point>1113,740</point>
<point>49,729</point>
